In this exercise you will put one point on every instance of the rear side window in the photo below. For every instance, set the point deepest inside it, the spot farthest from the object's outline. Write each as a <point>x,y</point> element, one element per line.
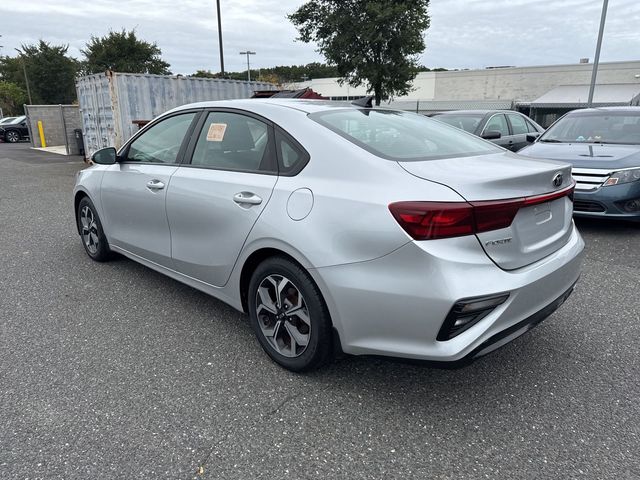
<point>402,136</point>
<point>232,141</point>
<point>518,124</point>
<point>291,157</point>
<point>532,128</point>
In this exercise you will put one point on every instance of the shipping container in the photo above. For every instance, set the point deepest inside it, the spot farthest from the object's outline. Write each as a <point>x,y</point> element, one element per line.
<point>111,102</point>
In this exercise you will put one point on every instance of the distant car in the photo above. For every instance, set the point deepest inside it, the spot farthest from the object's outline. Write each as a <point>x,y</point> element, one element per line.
<point>384,232</point>
<point>506,128</point>
<point>603,144</point>
<point>15,130</point>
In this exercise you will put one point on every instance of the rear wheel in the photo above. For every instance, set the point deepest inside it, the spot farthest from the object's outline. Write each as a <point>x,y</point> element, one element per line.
<point>12,136</point>
<point>90,227</point>
<point>289,316</point>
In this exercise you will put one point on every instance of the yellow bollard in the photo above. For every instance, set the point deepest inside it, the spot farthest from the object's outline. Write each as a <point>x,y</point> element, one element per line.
<point>43,142</point>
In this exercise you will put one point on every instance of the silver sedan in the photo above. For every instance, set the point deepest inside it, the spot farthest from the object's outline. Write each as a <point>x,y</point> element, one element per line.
<point>340,227</point>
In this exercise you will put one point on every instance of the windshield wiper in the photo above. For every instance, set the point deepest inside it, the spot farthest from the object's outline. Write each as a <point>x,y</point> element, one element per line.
<point>550,140</point>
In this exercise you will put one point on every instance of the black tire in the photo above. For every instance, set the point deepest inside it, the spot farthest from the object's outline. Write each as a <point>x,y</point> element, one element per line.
<point>319,349</point>
<point>12,136</point>
<point>97,250</point>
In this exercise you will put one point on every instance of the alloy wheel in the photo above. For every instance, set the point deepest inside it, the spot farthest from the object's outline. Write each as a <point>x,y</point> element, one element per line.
<point>12,137</point>
<point>283,316</point>
<point>89,229</point>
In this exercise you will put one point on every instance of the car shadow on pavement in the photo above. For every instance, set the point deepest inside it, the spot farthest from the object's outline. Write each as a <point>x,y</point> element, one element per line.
<point>607,226</point>
<point>518,363</point>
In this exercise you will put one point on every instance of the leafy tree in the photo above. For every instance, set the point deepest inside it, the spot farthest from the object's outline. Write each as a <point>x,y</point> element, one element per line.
<point>12,98</point>
<point>279,74</point>
<point>373,42</point>
<point>123,52</point>
<point>207,74</point>
<point>50,70</point>
<point>269,78</point>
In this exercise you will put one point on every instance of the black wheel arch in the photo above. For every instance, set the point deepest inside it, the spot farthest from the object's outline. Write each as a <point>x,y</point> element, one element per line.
<point>259,256</point>
<point>80,194</point>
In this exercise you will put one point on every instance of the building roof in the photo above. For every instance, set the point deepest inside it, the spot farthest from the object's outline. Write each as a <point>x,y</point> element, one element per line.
<point>575,96</point>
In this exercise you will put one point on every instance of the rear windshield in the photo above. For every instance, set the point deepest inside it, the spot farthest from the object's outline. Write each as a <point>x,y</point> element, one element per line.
<point>402,136</point>
<point>596,127</point>
<point>468,123</point>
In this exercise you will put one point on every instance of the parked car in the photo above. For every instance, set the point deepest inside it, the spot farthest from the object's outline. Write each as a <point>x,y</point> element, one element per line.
<point>603,145</point>
<point>6,120</point>
<point>15,130</point>
<point>506,128</point>
<point>374,231</point>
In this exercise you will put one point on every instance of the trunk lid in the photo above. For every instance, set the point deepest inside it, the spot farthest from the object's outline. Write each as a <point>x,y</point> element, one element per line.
<point>539,228</point>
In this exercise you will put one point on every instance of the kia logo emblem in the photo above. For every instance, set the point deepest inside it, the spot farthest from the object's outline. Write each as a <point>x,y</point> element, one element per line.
<point>557,180</point>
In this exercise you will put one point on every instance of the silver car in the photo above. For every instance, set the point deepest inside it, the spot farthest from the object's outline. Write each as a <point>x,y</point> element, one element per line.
<point>338,226</point>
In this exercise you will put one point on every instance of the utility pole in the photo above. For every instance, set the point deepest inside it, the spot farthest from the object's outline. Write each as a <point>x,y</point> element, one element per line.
<point>26,79</point>
<point>220,39</point>
<point>596,60</point>
<point>247,53</point>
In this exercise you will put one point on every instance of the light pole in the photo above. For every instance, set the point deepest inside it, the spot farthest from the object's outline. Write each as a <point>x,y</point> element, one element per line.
<point>247,53</point>
<point>26,79</point>
<point>596,60</point>
<point>220,38</point>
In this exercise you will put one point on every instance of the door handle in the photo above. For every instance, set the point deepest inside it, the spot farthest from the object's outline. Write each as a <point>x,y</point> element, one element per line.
<point>155,185</point>
<point>247,198</point>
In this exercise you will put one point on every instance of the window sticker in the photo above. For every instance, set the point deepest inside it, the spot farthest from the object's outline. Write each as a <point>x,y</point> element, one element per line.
<point>216,132</point>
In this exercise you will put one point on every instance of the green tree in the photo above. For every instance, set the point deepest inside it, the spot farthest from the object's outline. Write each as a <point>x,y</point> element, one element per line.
<point>123,52</point>
<point>50,70</point>
<point>373,42</point>
<point>12,98</point>
<point>278,74</point>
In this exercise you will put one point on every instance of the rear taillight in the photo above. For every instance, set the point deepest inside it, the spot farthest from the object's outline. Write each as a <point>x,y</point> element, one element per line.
<point>432,220</point>
<point>429,220</point>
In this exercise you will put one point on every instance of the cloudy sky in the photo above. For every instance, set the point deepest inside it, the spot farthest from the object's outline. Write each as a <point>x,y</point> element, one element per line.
<point>463,33</point>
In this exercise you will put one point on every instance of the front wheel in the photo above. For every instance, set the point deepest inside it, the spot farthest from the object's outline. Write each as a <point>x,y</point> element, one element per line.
<point>90,227</point>
<point>289,316</point>
<point>12,136</point>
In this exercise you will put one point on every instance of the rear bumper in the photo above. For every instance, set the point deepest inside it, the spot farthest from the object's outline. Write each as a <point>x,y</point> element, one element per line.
<point>608,202</point>
<point>509,334</point>
<point>396,305</point>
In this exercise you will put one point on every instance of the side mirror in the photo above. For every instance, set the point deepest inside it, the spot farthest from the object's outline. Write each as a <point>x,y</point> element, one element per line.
<point>532,137</point>
<point>491,135</point>
<point>105,156</point>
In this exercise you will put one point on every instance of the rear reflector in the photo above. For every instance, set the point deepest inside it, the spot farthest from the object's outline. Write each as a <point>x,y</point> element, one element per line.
<point>432,220</point>
<point>466,313</point>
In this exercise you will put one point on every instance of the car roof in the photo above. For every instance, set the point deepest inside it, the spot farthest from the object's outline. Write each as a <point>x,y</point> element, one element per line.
<point>301,105</point>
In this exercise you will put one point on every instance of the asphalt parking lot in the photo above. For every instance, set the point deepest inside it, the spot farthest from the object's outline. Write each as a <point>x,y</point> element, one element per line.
<point>114,371</point>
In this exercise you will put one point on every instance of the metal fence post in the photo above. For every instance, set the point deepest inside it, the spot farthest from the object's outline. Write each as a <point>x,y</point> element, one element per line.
<point>28,115</point>
<point>64,130</point>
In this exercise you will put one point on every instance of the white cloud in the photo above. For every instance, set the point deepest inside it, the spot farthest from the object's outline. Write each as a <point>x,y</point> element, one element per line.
<point>463,33</point>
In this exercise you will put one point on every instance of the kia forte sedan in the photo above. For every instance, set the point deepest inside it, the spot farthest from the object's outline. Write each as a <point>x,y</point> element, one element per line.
<point>340,227</point>
<point>603,145</point>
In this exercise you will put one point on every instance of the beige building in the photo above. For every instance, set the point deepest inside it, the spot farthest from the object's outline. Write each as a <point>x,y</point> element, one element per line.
<point>508,87</point>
